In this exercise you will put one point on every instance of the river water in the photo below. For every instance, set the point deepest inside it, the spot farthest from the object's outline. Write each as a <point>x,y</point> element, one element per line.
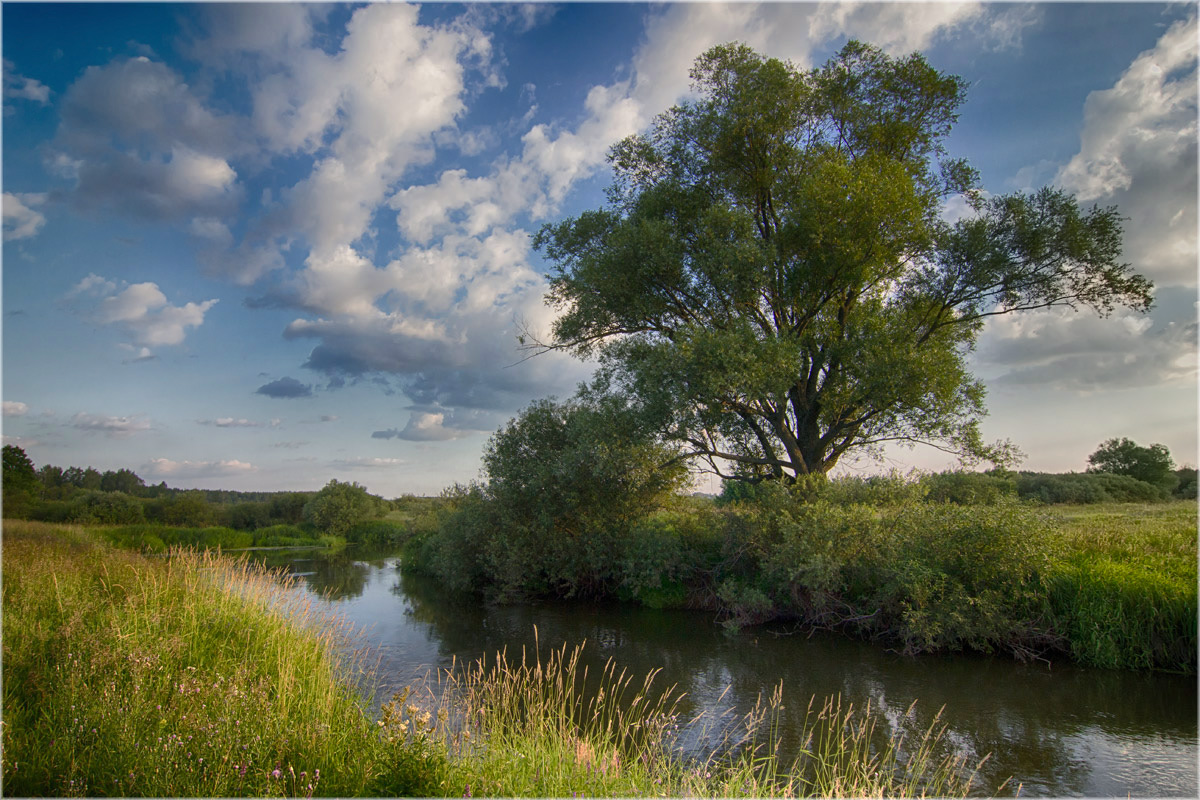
<point>1051,729</point>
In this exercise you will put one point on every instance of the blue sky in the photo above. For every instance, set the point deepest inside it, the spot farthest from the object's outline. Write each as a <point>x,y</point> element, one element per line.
<point>263,246</point>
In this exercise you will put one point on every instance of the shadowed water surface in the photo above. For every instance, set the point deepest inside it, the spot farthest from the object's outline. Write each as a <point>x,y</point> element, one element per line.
<point>1055,730</point>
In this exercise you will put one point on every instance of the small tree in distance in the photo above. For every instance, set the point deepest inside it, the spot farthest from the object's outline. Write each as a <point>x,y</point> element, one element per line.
<point>339,507</point>
<point>1152,465</point>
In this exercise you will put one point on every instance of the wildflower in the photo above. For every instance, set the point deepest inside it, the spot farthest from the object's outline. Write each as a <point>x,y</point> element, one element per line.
<point>275,773</point>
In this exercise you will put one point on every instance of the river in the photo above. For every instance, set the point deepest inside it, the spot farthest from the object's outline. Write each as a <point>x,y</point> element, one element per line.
<point>1050,729</point>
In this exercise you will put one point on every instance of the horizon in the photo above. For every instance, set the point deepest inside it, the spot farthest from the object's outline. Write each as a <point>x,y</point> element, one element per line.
<point>267,246</point>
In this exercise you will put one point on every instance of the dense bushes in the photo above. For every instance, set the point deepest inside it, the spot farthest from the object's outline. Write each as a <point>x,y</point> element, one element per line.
<point>1086,487</point>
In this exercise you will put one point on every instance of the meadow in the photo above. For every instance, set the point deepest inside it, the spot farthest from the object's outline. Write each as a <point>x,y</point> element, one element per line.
<point>199,675</point>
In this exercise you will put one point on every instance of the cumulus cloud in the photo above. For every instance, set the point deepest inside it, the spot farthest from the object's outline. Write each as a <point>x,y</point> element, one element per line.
<point>136,139</point>
<point>167,468</point>
<point>116,427</point>
<point>285,388</point>
<point>12,408</point>
<point>230,422</point>
<point>1138,152</point>
<point>425,426</point>
<point>20,220</point>
<point>141,311</point>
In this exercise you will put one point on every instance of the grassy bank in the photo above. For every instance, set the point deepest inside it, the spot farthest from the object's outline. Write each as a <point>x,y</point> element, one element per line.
<point>1110,585</point>
<point>176,677</point>
<point>1124,586</point>
<point>197,676</point>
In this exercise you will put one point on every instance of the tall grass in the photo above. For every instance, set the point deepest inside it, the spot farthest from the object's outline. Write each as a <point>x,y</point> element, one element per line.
<point>188,676</point>
<point>1125,591</point>
<point>538,727</point>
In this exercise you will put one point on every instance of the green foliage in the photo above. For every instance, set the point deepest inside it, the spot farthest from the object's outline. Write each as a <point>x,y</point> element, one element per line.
<point>666,553</point>
<point>1151,464</point>
<point>248,516</point>
<point>566,482</point>
<point>106,508</point>
<point>376,533</point>
<point>20,484</point>
<point>973,577</point>
<point>122,480</point>
<point>1186,489</point>
<point>772,279</point>
<point>1086,487</point>
<point>181,508</point>
<point>338,507</point>
<point>969,488</point>
<point>890,489</point>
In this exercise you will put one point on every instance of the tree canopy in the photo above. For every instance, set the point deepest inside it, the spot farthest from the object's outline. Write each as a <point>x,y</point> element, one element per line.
<point>774,280</point>
<point>1151,464</point>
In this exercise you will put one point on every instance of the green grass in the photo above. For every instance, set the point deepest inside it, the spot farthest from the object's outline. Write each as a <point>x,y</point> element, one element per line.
<point>187,676</point>
<point>1124,591</point>
<point>198,675</point>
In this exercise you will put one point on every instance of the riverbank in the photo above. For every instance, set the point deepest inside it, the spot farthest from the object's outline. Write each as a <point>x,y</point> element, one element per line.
<point>1107,585</point>
<point>196,675</point>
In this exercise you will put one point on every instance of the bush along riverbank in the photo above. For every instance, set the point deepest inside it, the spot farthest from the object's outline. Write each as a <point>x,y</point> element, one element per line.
<point>1106,585</point>
<point>196,675</point>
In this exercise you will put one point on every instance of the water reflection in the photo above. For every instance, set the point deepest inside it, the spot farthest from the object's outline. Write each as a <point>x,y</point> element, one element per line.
<point>1054,729</point>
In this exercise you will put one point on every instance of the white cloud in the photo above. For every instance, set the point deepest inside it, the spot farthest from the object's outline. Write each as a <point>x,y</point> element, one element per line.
<point>230,422</point>
<point>1138,152</point>
<point>143,310</point>
<point>424,426</point>
<point>137,140</point>
<point>24,88</point>
<point>167,468</point>
<point>116,427</point>
<point>368,463</point>
<point>12,408</point>
<point>1081,351</point>
<point>21,221</point>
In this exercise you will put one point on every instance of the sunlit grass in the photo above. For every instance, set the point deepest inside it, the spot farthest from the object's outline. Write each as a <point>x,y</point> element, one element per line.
<point>188,676</point>
<point>542,726</point>
<point>1125,591</point>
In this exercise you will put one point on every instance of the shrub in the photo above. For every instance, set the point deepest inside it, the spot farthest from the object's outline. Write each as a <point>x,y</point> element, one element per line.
<point>567,481</point>
<point>1087,487</point>
<point>106,508</point>
<point>892,489</point>
<point>950,577</point>
<point>666,552</point>
<point>969,488</point>
<point>339,507</point>
<point>377,533</point>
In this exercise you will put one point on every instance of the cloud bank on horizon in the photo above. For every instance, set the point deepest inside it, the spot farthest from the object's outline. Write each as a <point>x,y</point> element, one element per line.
<point>321,215</point>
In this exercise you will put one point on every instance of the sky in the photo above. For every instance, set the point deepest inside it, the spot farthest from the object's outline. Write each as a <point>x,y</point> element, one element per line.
<point>260,247</point>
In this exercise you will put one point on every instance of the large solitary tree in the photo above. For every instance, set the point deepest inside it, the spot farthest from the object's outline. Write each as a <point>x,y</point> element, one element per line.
<point>773,278</point>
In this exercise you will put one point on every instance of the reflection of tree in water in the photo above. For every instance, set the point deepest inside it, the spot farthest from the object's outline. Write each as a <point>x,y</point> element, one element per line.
<point>334,574</point>
<point>1034,720</point>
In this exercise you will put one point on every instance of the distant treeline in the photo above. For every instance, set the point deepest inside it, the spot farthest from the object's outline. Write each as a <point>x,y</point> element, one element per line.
<point>120,497</point>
